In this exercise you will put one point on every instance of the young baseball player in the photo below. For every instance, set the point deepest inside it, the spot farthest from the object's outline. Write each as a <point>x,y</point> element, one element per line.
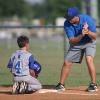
<point>81,32</point>
<point>24,68</point>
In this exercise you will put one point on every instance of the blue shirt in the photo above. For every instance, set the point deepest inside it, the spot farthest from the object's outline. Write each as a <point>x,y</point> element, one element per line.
<point>73,30</point>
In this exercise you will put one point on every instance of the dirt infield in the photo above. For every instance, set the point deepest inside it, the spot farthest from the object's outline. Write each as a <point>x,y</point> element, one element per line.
<point>74,93</point>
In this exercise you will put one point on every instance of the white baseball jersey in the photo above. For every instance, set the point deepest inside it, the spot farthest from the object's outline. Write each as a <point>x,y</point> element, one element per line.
<point>20,62</point>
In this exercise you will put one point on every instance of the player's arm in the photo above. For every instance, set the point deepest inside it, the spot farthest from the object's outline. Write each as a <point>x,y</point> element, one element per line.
<point>34,67</point>
<point>31,66</point>
<point>10,65</point>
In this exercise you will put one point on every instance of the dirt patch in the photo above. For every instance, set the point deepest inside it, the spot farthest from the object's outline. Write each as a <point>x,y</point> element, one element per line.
<point>71,93</point>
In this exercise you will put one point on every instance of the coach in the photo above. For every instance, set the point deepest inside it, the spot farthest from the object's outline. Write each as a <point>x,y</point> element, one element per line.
<point>81,32</point>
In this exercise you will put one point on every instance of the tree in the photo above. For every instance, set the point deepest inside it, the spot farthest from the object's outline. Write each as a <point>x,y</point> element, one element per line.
<point>51,9</point>
<point>99,10</point>
<point>10,8</point>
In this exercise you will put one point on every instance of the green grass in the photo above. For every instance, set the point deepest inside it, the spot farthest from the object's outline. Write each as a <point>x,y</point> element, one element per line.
<point>50,54</point>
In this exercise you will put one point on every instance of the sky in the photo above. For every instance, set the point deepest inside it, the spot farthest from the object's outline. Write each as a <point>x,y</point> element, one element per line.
<point>34,1</point>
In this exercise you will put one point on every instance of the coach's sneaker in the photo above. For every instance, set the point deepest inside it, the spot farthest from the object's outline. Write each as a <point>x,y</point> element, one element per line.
<point>92,87</point>
<point>15,89</point>
<point>23,87</point>
<point>60,87</point>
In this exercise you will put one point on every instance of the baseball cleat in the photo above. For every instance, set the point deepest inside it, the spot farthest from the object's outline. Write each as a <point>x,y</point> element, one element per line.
<point>16,87</point>
<point>23,87</point>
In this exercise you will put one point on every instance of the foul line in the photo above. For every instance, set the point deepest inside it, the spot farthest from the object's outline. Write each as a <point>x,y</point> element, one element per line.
<point>66,93</point>
<point>91,94</point>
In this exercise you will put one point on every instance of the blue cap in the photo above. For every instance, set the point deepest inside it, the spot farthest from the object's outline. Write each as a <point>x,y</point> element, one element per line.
<point>71,12</point>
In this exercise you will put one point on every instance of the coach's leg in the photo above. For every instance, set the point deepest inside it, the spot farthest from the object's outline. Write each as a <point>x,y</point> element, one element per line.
<point>65,71</point>
<point>91,68</point>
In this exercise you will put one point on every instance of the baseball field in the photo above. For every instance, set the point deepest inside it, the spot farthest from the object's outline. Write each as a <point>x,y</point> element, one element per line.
<point>50,54</point>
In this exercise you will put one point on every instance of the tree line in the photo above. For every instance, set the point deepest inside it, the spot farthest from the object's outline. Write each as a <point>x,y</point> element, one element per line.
<point>49,9</point>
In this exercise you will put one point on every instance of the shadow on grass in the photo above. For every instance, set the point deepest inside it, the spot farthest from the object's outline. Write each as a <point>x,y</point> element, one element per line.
<point>97,73</point>
<point>48,86</point>
<point>5,85</point>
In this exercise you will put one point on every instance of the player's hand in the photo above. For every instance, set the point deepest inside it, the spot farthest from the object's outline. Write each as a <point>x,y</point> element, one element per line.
<point>32,72</point>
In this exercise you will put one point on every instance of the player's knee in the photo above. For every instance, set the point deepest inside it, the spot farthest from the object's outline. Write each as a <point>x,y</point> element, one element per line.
<point>36,87</point>
<point>39,87</point>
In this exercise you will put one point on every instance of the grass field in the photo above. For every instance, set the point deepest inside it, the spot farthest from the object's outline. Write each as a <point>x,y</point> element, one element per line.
<point>50,54</point>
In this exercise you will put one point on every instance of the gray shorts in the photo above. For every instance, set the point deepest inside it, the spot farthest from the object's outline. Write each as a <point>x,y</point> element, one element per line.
<point>76,52</point>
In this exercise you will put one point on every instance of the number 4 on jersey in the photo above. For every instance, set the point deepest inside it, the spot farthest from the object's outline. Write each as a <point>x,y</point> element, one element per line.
<point>18,67</point>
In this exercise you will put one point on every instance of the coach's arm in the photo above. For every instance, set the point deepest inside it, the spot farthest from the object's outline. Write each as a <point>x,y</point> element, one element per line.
<point>93,35</point>
<point>86,31</point>
<point>76,39</point>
